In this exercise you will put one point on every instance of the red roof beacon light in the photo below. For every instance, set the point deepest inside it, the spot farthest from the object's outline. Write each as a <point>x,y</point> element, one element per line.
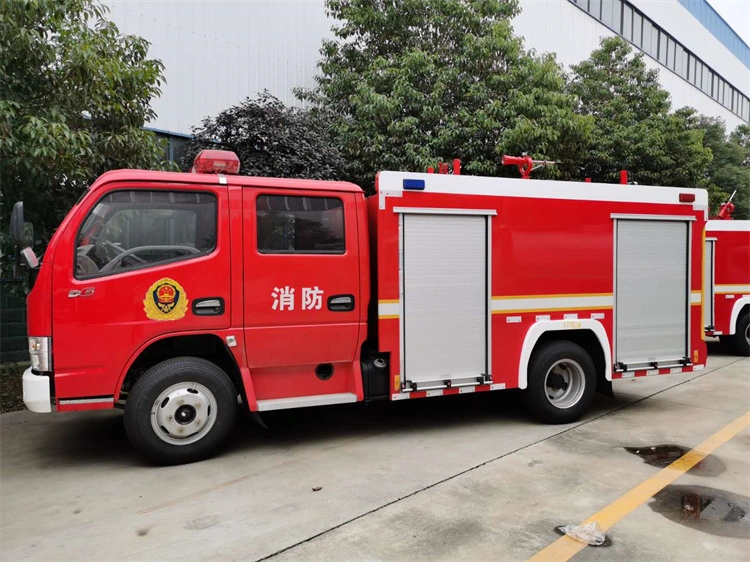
<point>216,162</point>
<point>687,197</point>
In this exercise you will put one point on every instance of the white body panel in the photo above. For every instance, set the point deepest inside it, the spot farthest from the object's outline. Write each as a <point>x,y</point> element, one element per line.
<point>727,226</point>
<point>306,401</point>
<point>391,185</point>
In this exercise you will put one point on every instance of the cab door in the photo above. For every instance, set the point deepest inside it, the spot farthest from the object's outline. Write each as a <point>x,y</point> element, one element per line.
<point>145,261</point>
<point>302,299</point>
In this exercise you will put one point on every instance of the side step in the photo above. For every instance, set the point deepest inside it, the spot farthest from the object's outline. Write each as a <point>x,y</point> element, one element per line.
<point>306,401</point>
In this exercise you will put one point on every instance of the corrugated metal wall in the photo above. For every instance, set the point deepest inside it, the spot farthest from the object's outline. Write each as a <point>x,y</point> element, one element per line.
<point>217,53</point>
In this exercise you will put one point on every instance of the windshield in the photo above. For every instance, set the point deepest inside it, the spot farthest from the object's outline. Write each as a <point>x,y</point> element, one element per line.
<point>133,229</point>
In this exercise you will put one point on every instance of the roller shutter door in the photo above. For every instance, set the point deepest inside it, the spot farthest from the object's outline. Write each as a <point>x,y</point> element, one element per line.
<point>708,285</point>
<point>445,297</point>
<point>651,292</point>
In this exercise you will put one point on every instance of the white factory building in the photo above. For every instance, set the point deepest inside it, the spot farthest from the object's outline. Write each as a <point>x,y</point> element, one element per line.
<point>217,53</point>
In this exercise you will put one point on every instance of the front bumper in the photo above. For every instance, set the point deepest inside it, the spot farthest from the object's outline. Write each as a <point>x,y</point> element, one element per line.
<point>36,392</point>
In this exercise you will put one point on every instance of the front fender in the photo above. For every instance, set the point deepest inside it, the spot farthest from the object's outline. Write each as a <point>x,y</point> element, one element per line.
<point>539,328</point>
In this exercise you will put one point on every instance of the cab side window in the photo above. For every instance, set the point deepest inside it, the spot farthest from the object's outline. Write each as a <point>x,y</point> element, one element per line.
<point>135,229</point>
<point>300,225</point>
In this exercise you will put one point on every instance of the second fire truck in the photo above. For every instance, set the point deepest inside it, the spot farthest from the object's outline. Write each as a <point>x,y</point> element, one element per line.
<point>727,281</point>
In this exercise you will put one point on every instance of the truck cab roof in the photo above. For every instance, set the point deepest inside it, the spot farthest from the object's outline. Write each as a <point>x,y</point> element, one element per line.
<point>152,176</point>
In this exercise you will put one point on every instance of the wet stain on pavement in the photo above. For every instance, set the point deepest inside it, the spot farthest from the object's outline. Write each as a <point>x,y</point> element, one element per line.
<point>705,509</point>
<point>662,456</point>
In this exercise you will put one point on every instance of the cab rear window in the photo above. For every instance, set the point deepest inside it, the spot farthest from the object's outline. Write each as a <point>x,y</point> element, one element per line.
<point>300,225</point>
<point>136,229</point>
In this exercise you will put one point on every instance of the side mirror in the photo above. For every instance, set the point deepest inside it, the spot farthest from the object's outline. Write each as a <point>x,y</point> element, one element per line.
<point>22,234</point>
<point>17,226</point>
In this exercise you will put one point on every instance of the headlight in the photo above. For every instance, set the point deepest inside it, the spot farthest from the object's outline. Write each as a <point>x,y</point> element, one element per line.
<point>39,349</point>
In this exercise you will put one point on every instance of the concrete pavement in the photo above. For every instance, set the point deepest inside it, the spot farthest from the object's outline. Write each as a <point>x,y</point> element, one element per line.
<point>465,477</point>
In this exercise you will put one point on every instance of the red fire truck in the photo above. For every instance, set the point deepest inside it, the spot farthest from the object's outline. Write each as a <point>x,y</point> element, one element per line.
<point>727,281</point>
<point>181,296</point>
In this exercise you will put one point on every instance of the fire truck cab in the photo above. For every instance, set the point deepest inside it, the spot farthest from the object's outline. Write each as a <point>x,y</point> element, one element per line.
<point>179,297</point>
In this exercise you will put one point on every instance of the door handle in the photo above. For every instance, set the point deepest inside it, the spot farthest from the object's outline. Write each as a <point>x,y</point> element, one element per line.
<point>211,306</point>
<point>341,303</point>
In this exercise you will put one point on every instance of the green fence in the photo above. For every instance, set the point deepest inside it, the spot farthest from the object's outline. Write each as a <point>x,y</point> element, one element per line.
<point>13,345</point>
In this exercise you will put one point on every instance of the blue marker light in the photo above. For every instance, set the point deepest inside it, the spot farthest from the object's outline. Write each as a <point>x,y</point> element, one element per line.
<point>414,184</point>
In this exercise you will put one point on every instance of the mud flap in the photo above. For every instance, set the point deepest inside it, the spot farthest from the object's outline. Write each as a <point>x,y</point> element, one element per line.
<point>257,419</point>
<point>604,387</point>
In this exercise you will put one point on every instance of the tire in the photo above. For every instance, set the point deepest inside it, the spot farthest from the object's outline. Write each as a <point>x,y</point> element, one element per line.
<point>180,411</point>
<point>551,400</point>
<point>728,344</point>
<point>742,335</point>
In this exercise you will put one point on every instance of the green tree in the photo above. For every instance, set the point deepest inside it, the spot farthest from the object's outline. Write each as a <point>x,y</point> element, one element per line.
<point>271,139</point>
<point>412,82</point>
<point>74,97</point>
<point>729,170</point>
<point>634,128</point>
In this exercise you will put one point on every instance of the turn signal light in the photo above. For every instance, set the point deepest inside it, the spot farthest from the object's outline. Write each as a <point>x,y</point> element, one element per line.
<point>687,197</point>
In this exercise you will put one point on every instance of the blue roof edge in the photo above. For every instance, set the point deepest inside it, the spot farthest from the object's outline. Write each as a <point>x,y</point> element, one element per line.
<point>719,28</point>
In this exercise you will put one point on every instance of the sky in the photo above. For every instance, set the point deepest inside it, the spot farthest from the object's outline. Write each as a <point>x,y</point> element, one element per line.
<point>737,14</point>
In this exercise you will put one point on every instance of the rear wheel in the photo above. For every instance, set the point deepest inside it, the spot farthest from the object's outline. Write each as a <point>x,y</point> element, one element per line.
<point>728,344</point>
<point>562,382</point>
<point>180,410</point>
<point>742,335</point>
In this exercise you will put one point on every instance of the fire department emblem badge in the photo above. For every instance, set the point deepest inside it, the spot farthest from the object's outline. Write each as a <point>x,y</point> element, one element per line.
<point>165,300</point>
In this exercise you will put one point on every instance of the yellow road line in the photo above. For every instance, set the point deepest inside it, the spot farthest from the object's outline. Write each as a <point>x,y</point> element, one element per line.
<point>565,548</point>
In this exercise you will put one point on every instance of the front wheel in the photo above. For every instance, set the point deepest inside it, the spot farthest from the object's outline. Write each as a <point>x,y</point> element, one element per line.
<point>180,411</point>
<point>562,382</point>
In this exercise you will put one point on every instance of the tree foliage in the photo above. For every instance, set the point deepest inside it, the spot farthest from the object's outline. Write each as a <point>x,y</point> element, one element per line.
<point>729,170</point>
<point>74,97</point>
<point>271,139</point>
<point>633,126</point>
<point>416,81</point>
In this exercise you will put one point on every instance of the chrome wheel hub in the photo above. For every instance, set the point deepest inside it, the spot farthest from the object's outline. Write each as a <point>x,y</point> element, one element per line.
<point>564,383</point>
<point>183,413</point>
